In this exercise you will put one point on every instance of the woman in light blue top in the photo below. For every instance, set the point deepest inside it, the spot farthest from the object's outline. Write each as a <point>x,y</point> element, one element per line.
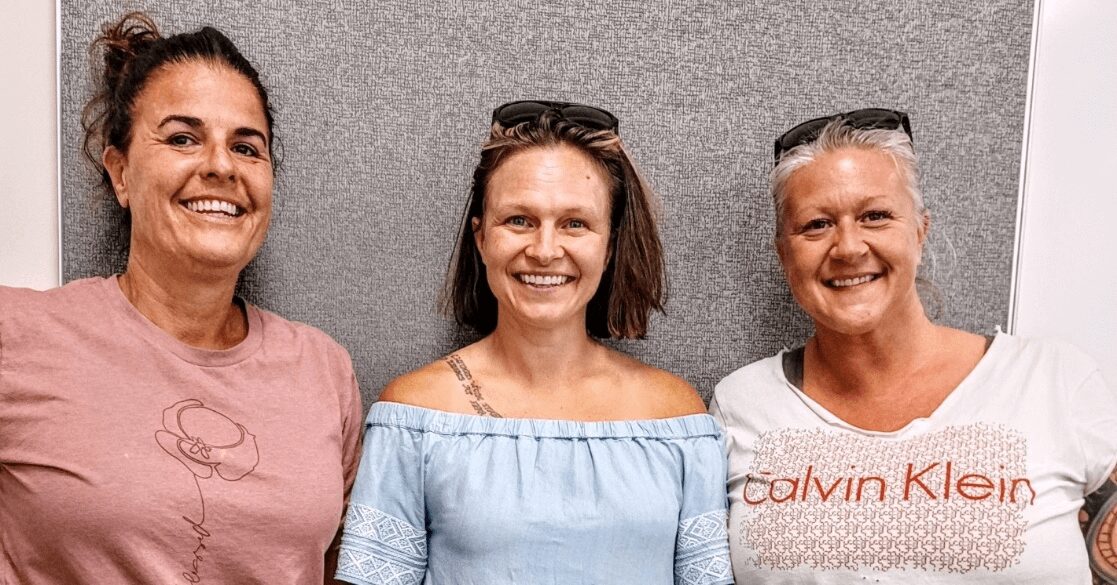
<point>538,454</point>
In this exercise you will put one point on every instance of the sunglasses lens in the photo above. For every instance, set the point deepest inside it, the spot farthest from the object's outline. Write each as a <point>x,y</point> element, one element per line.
<point>803,133</point>
<point>514,113</point>
<point>590,117</point>
<point>874,118</point>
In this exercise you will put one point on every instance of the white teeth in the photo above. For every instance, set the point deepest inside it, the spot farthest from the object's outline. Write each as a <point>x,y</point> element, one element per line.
<point>544,280</point>
<point>852,281</point>
<point>213,205</point>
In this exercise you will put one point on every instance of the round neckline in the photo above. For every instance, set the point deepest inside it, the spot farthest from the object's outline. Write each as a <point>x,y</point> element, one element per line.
<point>915,424</point>
<point>160,338</point>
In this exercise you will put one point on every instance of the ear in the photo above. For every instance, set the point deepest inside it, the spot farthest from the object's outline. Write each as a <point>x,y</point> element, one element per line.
<point>478,236</point>
<point>115,162</point>
<point>924,226</point>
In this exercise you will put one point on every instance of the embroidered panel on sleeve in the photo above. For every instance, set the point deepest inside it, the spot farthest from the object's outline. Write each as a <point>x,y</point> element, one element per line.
<point>380,548</point>
<point>702,550</point>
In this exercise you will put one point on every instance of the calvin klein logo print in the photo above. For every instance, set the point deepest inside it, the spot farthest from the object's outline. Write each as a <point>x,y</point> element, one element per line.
<point>207,443</point>
<point>950,501</point>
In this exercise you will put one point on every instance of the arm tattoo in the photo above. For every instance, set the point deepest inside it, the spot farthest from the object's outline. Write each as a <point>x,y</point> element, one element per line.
<point>471,387</point>
<point>1099,521</point>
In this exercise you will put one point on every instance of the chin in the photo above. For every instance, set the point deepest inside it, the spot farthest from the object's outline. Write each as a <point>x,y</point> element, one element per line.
<point>546,319</point>
<point>848,324</point>
<point>222,259</point>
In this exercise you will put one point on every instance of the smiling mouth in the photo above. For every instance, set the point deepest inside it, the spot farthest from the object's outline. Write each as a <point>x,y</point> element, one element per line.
<point>544,280</point>
<point>213,207</point>
<point>849,282</point>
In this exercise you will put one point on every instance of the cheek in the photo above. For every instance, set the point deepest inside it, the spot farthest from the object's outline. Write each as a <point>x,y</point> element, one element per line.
<point>495,248</point>
<point>912,249</point>
<point>799,260</point>
<point>594,254</point>
<point>260,183</point>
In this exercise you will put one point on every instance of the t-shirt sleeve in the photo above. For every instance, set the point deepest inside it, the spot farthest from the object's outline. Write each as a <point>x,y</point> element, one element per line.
<point>385,537</point>
<point>702,542</point>
<point>351,427</point>
<point>715,411</point>
<point>1095,416</point>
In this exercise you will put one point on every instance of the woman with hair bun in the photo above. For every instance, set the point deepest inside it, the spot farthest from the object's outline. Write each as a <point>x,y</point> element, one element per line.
<point>539,454</point>
<point>155,428</point>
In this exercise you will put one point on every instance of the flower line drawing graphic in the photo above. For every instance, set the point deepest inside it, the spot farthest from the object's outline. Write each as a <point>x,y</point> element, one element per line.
<point>207,443</point>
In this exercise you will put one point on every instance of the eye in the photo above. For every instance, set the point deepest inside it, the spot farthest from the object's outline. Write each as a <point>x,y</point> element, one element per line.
<point>576,224</point>
<point>517,221</point>
<point>876,216</point>
<point>815,225</point>
<point>245,149</point>
<point>181,140</point>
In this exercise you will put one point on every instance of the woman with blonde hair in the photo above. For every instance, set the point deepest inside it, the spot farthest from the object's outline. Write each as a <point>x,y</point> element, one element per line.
<point>890,448</point>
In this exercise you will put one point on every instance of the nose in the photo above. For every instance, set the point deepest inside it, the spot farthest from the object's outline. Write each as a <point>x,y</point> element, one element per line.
<point>218,163</point>
<point>849,243</point>
<point>545,246</point>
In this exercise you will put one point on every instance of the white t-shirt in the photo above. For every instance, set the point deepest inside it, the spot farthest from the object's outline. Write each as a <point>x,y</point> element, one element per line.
<point>985,490</point>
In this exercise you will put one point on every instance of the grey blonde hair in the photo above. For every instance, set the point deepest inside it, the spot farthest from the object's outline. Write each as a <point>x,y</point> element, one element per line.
<point>839,134</point>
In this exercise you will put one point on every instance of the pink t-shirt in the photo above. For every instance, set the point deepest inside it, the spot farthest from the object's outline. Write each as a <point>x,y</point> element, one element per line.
<point>129,457</point>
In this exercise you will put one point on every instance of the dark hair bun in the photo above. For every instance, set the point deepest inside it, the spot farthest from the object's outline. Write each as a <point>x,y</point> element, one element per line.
<point>122,42</point>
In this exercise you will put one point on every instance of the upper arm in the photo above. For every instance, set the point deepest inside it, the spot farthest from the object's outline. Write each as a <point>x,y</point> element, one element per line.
<point>675,396</point>
<point>422,387</point>
<point>1094,406</point>
<point>702,544</point>
<point>385,524</point>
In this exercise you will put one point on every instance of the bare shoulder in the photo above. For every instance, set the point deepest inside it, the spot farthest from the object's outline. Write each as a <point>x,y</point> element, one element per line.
<point>431,386</point>
<point>660,393</point>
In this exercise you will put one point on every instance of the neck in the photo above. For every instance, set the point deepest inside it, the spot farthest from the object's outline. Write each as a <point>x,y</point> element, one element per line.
<point>542,357</point>
<point>196,309</point>
<point>873,361</point>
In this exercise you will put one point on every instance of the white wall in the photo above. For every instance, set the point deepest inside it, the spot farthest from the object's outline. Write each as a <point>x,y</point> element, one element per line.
<point>1066,282</point>
<point>28,145</point>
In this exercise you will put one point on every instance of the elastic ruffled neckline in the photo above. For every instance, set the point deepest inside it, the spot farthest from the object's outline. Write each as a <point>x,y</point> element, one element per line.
<point>394,414</point>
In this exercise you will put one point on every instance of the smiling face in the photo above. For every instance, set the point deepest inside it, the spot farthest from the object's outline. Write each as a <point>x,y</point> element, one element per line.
<point>197,175</point>
<point>544,235</point>
<point>851,241</point>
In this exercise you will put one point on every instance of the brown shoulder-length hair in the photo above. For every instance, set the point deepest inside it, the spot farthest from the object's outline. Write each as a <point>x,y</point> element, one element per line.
<point>633,284</point>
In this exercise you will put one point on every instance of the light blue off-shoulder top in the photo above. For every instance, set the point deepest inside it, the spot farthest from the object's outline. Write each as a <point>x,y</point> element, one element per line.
<point>444,498</point>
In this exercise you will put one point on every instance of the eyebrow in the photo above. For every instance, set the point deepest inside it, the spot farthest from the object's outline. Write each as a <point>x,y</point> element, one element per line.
<point>198,124</point>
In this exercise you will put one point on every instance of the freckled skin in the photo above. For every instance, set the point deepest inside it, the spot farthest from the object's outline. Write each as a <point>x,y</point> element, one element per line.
<point>546,212</point>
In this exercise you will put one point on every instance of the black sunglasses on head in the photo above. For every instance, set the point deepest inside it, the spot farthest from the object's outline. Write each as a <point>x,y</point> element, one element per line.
<point>867,118</point>
<point>513,113</point>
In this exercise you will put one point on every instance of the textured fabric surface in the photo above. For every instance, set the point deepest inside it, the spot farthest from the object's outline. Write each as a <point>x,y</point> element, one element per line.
<point>127,456</point>
<point>443,498</point>
<point>381,109</point>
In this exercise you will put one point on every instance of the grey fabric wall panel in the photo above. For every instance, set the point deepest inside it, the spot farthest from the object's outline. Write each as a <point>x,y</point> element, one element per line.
<point>381,110</point>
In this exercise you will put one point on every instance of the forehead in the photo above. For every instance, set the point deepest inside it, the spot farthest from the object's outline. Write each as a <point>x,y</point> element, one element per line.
<point>549,176</point>
<point>210,91</point>
<point>846,176</point>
